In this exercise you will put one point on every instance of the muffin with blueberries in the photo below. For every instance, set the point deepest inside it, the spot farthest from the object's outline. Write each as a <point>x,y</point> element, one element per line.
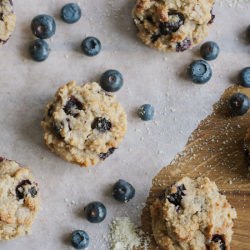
<point>84,124</point>
<point>173,25</point>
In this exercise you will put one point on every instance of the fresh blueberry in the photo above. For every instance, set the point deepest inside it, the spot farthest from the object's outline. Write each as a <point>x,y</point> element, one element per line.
<point>79,239</point>
<point>71,13</point>
<point>91,46</point>
<point>95,212</point>
<point>248,33</point>
<point>43,26</point>
<point>200,71</point>
<point>238,104</point>
<point>111,80</point>
<point>146,112</point>
<point>123,191</point>
<point>39,50</point>
<point>209,51</point>
<point>245,77</point>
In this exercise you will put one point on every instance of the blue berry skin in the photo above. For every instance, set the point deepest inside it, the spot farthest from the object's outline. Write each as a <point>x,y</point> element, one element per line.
<point>209,51</point>
<point>71,13</point>
<point>123,191</point>
<point>111,80</point>
<point>200,71</point>
<point>146,112</point>
<point>79,239</point>
<point>39,50</point>
<point>238,104</point>
<point>43,26</point>
<point>95,212</point>
<point>91,46</point>
<point>245,77</point>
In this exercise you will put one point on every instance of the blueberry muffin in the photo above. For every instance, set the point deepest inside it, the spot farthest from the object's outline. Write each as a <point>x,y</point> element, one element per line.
<point>19,200</point>
<point>84,124</point>
<point>172,25</point>
<point>7,20</point>
<point>192,214</point>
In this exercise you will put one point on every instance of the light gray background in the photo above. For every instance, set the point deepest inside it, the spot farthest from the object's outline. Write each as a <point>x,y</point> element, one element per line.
<point>150,77</point>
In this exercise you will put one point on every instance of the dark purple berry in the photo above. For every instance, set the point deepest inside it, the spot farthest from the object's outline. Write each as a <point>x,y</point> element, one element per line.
<point>73,106</point>
<point>101,124</point>
<point>238,104</point>
<point>175,198</point>
<point>155,37</point>
<point>123,191</point>
<point>219,239</point>
<point>103,156</point>
<point>56,128</point>
<point>95,212</point>
<point>175,21</point>
<point>183,45</point>
<point>21,193</point>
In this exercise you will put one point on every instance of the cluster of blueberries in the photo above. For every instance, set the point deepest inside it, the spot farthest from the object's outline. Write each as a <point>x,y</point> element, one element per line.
<point>96,211</point>
<point>44,27</point>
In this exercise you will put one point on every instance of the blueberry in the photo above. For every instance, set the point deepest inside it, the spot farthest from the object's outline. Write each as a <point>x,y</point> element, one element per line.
<point>95,212</point>
<point>22,191</point>
<point>73,106</point>
<point>104,156</point>
<point>71,13</point>
<point>123,191</point>
<point>183,45</point>
<point>219,239</point>
<point>79,239</point>
<point>175,198</point>
<point>238,104</point>
<point>200,71</point>
<point>111,80</point>
<point>43,26</point>
<point>209,51</point>
<point>245,77</point>
<point>91,46</point>
<point>39,50</point>
<point>101,124</point>
<point>146,112</point>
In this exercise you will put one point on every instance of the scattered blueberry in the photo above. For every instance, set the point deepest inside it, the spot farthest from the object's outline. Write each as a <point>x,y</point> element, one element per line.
<point>71,13</point>
<point>248,33</point>
<point>43,26</point>
<point>39,50</point>
<point>245,77</point>
<point>146,112</point>
<point>200,71</point>
<point>123,191</point>
<point>95,212</point>
<point>239,104</point>
<point>111,80</point>
<point>209,50</point>
<point>79,239</point>
<point>101,124</point>
<point>91,46</point>
<point>219,239</point>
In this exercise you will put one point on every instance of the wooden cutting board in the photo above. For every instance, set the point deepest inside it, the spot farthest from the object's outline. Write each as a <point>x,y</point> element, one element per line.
<point>215,150</point>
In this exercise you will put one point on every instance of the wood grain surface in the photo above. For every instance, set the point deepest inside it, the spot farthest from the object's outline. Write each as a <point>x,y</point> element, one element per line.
<point>215,150</point>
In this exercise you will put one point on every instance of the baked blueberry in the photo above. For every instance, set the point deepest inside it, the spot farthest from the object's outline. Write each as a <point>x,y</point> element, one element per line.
<point>103,156</point>
<point>22,191</point>
<point>73,106</point>
<point>200,71</point>
<point>183,45</point>
<point>39,50</point>
<point>111,80</point>
<point>123,191</point>
<point>71,13</point>
<point>175,21</point>
<point>146,112</point>
<point>101,124</point>
<point>175,198</point>
<point>209,50</point>
<point>219,239</point>
<point>245,77</point>
<point>95,212</point>
<point>238,104</point>
<point>91,46</point>
<point>43,26</point>
<point>79,239</point>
